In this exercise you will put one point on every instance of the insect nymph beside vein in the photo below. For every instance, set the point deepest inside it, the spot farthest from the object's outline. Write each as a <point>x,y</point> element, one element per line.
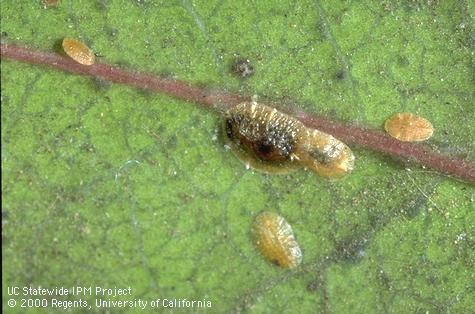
<point>271,141</point>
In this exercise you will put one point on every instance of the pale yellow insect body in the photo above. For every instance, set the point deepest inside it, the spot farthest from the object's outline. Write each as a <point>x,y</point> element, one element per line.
<point>78,51</point>
<point>275,240</point>
<point>408,127</point>
<point>326,155</point>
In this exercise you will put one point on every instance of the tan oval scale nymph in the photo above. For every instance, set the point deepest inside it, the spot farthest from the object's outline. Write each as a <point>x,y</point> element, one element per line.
<point>275,240</point>
<point>273,142</point>
<point>78,51</point>
<point>408,127</point>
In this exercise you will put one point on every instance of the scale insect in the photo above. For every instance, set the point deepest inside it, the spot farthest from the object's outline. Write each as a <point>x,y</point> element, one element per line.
<point>276,241</point>
<point>78,51</point>
<point>271,141</point>
<point>408,127</point>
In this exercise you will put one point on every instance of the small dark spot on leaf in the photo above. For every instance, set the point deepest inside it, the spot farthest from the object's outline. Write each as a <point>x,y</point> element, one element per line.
<point>312,286</point>
<point>243,68</point>
<point>340,75</point>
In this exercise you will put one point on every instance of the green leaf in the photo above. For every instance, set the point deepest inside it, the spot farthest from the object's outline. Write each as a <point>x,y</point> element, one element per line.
<point>105,185</point>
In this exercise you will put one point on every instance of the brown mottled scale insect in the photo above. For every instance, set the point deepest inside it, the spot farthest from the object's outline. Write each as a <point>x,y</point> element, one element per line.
<point>263,138</point>
<point>78,51</point>
<point>275,240</point>
<point>408,127</point>
<point>273,142</point>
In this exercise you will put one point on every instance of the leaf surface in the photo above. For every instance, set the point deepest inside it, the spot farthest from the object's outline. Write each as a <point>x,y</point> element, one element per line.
<point>106,185</point>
